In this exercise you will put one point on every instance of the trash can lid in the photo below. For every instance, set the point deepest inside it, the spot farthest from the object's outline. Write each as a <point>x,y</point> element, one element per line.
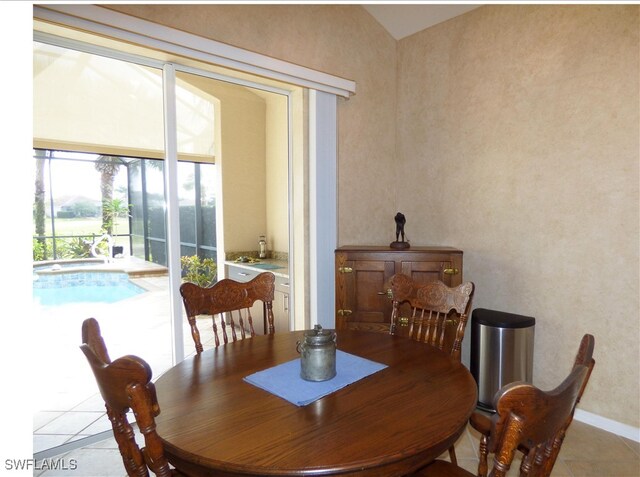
<point>501,319</point>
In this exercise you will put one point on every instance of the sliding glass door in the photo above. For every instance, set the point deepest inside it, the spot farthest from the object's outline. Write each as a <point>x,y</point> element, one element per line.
<point>142,170</point>
<point>101,238</point>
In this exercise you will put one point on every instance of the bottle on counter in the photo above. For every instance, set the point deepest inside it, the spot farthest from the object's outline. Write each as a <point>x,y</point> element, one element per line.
<point>263,247</point>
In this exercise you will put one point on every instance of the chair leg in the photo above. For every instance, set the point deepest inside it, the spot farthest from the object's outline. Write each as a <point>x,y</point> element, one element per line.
<point>482,463</point>
<point>452,456</point>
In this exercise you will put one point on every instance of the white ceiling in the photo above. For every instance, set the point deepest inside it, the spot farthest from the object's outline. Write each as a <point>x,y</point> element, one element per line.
<point>402,20</point>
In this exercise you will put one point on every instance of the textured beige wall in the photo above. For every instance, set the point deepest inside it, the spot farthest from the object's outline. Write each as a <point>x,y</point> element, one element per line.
<point>518,142</point>
<point>277,170</point>
<point>242,162</point>
<point>343,40</point>
<point>253,154</point>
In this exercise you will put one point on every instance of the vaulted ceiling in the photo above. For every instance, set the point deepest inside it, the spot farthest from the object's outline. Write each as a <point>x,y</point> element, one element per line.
<point>402,20</point>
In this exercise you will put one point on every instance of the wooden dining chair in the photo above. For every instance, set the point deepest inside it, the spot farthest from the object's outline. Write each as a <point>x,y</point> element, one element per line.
<point>438,314</point>
<point>229,302</point>
<point>526,419</point>
<point>125,384</point>
<point>482,422</point>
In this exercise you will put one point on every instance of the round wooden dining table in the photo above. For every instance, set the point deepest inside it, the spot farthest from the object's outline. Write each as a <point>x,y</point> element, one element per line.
<point>389,423</point>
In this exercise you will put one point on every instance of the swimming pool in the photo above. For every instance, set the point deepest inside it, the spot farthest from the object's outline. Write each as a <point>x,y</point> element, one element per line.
<point>52,289</point>
<point>53,266</point>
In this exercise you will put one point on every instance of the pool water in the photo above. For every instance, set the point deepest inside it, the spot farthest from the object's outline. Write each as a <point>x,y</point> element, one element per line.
<point>83,287</point>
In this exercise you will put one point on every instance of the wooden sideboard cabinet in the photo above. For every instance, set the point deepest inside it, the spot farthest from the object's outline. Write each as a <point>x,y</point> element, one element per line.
<point>363,297</point>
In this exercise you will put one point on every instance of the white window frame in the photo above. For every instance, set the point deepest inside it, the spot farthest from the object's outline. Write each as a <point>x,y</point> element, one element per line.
<point>324,90</point>
<point>99,20</point>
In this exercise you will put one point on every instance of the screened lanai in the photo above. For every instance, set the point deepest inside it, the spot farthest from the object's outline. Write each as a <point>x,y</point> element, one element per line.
<point>101,240</point>
<point>84,113</point>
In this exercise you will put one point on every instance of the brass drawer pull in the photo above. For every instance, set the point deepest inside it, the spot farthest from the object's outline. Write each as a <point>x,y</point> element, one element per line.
<point>388,293</point>
<point>403,321</point>
<point>344,312</point>
<point>451,271</point>
<point>345,269</point>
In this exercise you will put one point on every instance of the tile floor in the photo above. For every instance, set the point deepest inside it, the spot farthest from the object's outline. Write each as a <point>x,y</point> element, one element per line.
<point>587,452</point>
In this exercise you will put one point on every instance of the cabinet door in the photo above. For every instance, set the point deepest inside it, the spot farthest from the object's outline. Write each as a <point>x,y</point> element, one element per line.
<point>240,274</point>
<point>446,269</point>
<point>281,305</point>
<point>362,300</point>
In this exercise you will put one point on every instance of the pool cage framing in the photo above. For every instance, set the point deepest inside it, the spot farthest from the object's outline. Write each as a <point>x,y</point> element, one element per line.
<point>147,219</point>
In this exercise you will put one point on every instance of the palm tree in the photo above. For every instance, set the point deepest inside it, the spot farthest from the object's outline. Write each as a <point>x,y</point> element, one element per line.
<point>108,167</point>
<point>114,209</point>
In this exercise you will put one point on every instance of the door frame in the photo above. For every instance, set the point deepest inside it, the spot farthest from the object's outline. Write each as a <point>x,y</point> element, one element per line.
<point>324,90</point>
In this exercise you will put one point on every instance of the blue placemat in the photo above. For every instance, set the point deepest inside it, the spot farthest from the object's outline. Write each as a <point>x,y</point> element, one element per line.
<point>284,380</point>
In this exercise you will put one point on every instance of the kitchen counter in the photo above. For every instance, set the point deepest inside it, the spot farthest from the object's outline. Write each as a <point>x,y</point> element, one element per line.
<point>279,268</point>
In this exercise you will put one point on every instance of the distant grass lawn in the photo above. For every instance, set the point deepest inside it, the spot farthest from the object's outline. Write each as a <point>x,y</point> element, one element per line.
<point>85,226</point>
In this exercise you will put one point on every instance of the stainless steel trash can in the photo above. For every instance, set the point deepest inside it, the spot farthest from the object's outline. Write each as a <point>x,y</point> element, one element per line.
<point>501,351</point>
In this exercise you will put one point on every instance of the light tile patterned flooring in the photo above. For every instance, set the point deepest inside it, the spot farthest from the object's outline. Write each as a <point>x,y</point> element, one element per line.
<point>587,451</point>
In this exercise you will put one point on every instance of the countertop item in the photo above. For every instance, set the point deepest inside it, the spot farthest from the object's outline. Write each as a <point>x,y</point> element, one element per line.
<point>389,423</point>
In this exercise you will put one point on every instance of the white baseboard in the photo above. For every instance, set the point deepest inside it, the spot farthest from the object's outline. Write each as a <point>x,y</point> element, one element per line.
<point>609,425</point>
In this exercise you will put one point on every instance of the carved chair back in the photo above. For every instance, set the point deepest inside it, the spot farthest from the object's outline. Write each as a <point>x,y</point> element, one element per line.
<point>527,420</point>
<point>535,419</point>
<point>126,384</point>
<point>438,314</point>
<point>229,303</point>
<point>482,423</point>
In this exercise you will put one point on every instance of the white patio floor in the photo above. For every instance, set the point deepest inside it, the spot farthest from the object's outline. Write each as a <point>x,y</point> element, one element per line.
<point>69,407</point>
